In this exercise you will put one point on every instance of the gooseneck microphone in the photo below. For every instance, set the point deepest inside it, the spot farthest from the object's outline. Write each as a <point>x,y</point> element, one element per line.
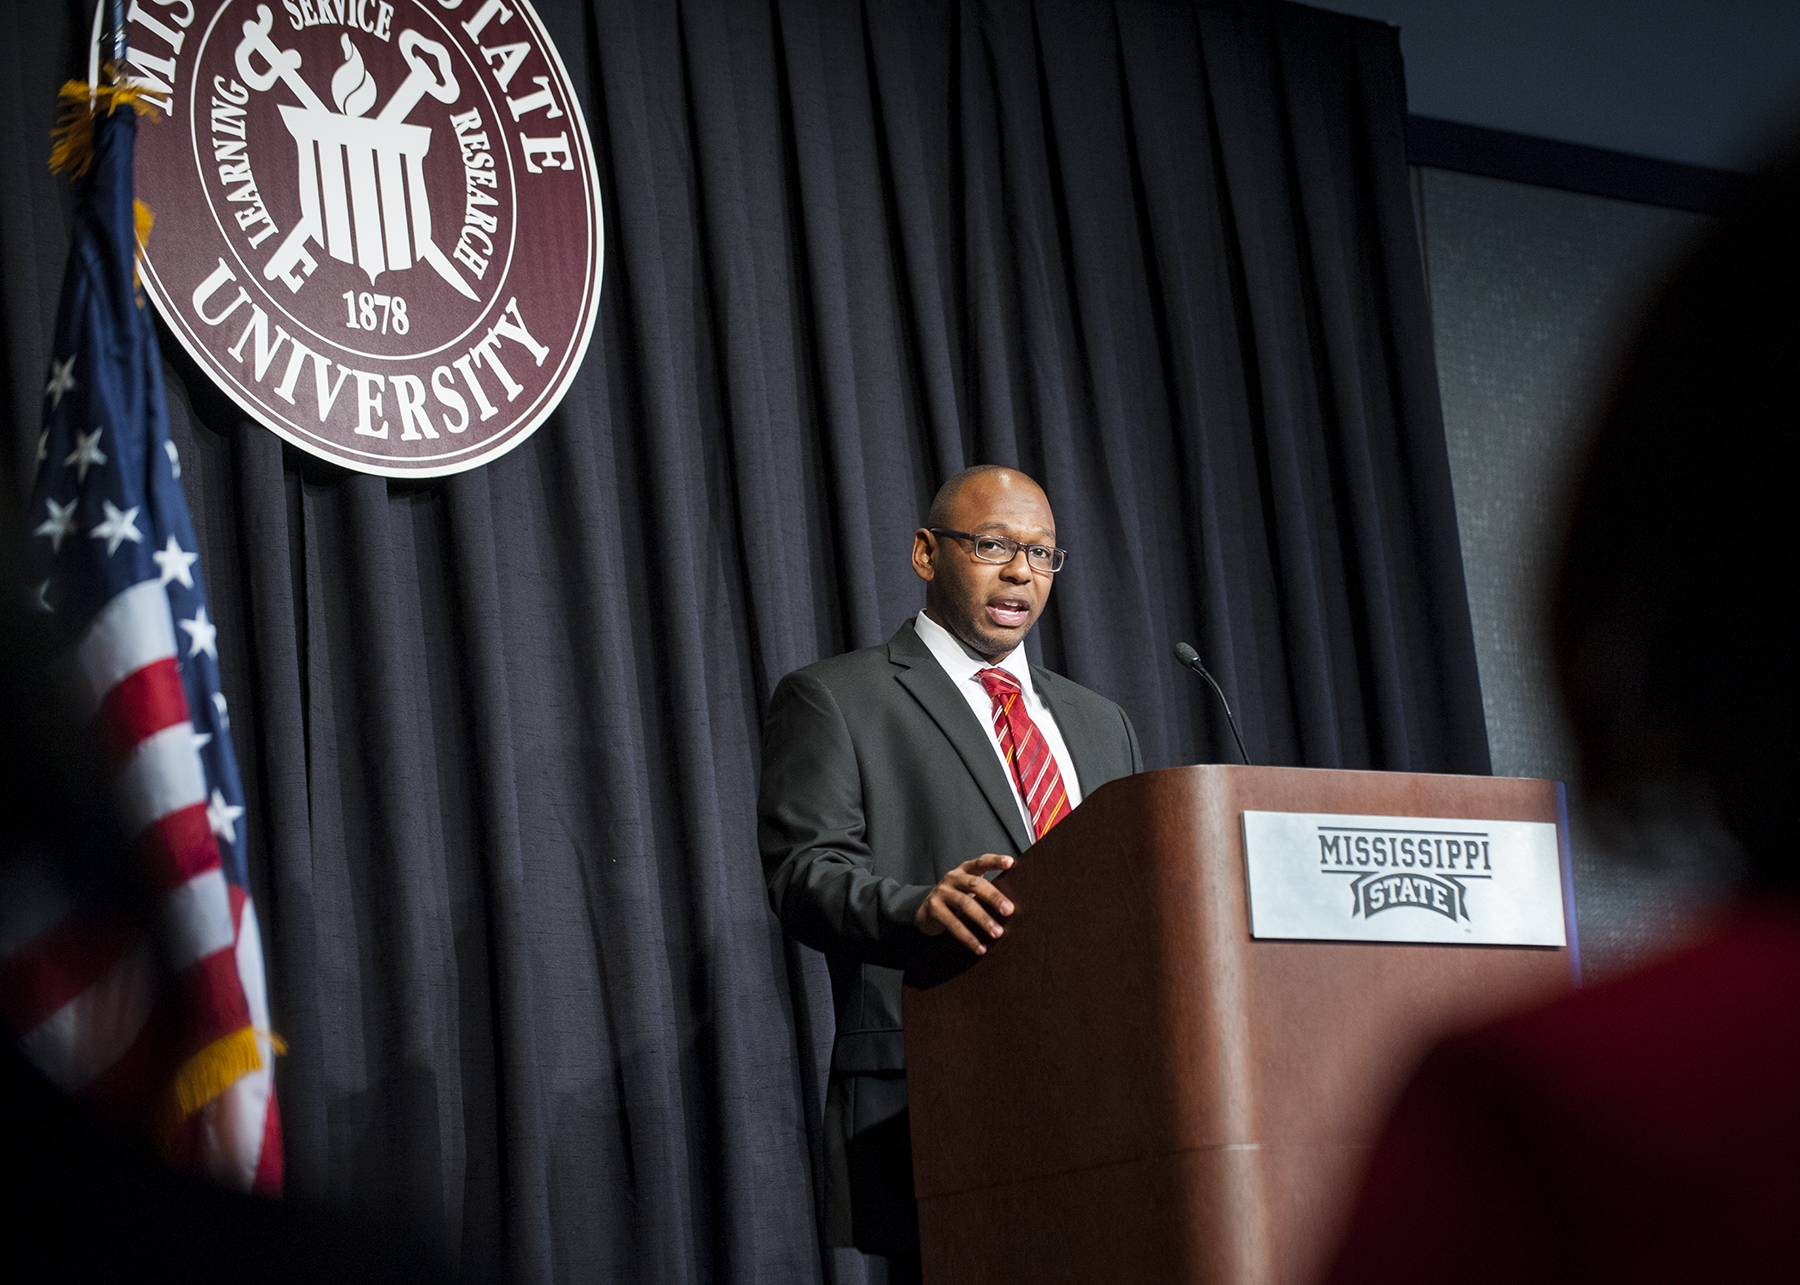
<point>1190,659</point>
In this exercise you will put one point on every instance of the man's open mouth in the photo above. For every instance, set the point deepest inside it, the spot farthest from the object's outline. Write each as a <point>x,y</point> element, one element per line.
<point>1009,613</point>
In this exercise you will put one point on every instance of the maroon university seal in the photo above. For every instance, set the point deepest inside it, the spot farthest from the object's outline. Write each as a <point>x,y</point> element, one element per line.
<point>377,221</point>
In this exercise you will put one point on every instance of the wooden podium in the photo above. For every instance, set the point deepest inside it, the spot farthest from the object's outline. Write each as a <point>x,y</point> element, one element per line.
<point>1128,1087</point>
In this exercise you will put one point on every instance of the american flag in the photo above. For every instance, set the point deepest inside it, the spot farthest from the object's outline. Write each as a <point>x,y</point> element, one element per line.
<point>172,1030</point>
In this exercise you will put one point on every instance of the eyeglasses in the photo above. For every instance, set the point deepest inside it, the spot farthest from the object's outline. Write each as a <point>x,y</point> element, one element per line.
<point>1003,549</point>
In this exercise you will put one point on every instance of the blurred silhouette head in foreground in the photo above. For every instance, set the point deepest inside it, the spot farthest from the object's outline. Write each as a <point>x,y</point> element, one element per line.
<point>1670,626</point>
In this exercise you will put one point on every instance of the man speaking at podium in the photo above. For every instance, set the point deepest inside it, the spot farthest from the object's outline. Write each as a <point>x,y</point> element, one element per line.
<point>894,779</point>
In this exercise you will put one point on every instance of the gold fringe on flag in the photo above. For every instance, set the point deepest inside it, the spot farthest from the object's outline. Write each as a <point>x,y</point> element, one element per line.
<point>72,141</point>
<point>209,1073</point>
<point>142,221</point>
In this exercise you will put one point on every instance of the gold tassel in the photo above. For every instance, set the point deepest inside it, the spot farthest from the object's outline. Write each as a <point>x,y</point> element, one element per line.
<point>209,1073</point>
<point>72,141</point>
<point>142,220</point>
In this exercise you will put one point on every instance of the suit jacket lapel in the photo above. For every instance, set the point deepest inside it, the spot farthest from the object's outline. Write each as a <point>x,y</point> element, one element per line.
<point>1077,732</point>
<point>922,676</point>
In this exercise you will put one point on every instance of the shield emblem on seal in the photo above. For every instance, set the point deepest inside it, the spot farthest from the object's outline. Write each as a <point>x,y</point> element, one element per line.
<point>378,222</point>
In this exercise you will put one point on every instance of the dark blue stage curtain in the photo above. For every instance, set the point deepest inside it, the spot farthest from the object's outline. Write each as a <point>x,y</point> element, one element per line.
<point>499,732</point>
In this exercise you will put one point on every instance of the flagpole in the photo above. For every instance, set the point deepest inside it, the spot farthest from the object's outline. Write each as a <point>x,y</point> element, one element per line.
<point>116,18</point>
<point>109,30</point>
<point>93,80</point>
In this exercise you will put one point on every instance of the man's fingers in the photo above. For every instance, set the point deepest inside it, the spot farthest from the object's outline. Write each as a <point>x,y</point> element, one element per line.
<point>969,906</point>
<point>983,888</point>
<point>948,917</point>
<point>961,902</point>
<point>990,896</point>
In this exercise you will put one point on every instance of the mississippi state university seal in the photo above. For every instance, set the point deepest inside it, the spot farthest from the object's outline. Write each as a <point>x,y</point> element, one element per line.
<point>377,221</point>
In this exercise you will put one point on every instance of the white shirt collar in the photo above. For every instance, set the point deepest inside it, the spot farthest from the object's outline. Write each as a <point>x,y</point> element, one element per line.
<point>963,664</point>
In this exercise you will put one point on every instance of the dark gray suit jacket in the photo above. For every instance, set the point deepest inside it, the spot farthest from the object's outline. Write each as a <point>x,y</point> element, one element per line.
<point>877,780</point>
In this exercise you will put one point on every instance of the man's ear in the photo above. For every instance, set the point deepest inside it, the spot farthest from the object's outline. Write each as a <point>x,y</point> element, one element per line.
<point>924,555</point>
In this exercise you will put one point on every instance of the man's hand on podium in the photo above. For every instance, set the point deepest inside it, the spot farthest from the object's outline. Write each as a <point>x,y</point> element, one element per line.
<point>962,901</point>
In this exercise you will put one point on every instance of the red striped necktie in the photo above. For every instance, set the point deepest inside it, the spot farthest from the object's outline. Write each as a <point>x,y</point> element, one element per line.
<point>1033,765</point>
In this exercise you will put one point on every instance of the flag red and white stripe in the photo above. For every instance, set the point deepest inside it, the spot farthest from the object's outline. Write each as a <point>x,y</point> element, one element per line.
<point>172,1025</point>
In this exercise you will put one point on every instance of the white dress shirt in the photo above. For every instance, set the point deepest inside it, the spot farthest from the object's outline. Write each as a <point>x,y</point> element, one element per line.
<point>963,666</point>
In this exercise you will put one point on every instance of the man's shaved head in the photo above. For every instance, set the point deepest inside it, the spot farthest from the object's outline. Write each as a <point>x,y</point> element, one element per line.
<point>989,606</point>
<point>945,499</point>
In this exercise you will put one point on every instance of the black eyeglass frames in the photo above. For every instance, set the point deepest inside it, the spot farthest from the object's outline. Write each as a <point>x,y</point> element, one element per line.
<point>1002,549</point>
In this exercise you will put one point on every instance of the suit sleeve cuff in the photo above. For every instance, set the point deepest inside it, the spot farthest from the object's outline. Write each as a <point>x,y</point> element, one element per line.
<point>903,912</point>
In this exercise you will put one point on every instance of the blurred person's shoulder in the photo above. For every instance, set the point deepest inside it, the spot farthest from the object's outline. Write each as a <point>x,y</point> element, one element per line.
<point>1724,1012</point>
<point>1645,1129</point>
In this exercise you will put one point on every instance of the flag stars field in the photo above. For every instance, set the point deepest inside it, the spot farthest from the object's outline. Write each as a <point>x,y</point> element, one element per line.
<point>59,524</point>
<point>204,635</point>
<point>87,453</point>
<point>175,563</point>
<point>119,526</point>
<point>222,817</point>
<point>62,380</point>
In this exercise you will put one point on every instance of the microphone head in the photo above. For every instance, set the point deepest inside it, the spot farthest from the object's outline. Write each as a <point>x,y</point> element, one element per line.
<point>1186,654</point>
